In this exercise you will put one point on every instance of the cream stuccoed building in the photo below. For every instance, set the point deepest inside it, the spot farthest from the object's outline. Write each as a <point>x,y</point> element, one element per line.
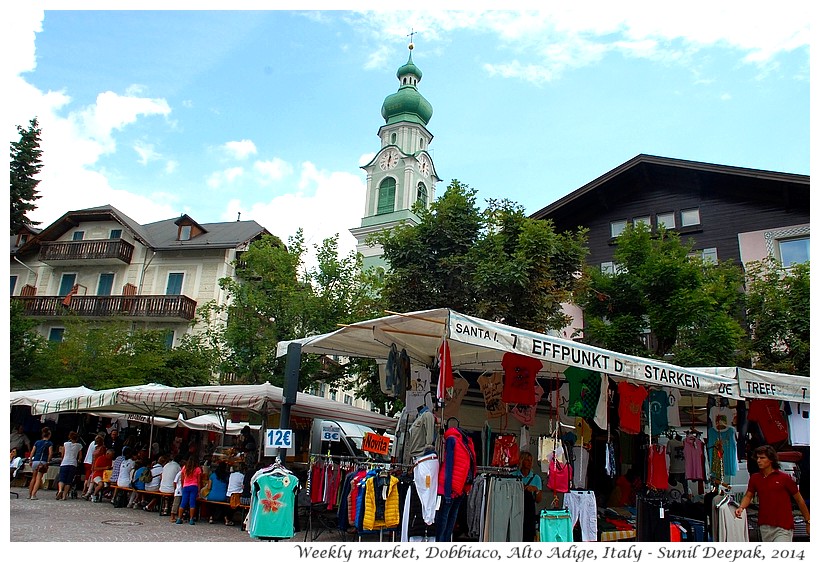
<point>402,172</point>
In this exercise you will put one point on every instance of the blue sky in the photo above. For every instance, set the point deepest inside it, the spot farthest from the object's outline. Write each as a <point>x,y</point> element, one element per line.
<point>271,114</point>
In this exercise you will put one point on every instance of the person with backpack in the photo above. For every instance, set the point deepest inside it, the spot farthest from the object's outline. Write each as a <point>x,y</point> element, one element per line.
<point>41,454</point>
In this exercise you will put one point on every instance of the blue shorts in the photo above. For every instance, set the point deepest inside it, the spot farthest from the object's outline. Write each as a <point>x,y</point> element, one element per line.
<point>189,495</point>
<point>67,472</point>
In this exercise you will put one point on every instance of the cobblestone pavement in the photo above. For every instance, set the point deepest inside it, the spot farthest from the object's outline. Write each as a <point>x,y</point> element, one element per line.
<point>77,520</point>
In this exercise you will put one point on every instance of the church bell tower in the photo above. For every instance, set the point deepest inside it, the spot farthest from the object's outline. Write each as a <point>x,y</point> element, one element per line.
<point>402,172</point>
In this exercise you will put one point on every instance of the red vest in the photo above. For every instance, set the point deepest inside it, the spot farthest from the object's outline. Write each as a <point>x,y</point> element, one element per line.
<point>464,469</point>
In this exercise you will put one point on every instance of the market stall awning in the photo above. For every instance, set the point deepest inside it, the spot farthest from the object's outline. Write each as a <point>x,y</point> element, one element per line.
<point>110,400</point>
<point>479,345</point>
<point>31,397</point>
<point>778,386</point>
<point>263,399</point>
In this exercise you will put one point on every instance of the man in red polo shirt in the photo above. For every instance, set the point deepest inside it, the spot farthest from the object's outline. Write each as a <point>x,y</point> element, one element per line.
<point>774,489</point>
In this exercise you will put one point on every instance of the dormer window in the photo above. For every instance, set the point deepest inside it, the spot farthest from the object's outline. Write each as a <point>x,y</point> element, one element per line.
<point>78,235</point>
<point>188,228</point>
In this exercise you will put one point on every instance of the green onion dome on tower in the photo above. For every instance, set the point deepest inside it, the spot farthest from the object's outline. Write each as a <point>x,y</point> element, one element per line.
<point>407,104</point>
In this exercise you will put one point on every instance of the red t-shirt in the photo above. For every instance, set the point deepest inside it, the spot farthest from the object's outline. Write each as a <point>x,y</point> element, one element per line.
<point>629,408</point>
<point>774,493</point>
<point>519,378</point>
<point>766,413</point>
<point>101,464</point>
<point>658,471</point>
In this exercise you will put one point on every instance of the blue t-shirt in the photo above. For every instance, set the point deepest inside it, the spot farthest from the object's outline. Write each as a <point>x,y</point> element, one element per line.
<point>531,479</point>
<point>219,489</point>
<point>139,484</point>
<point>40,450</point>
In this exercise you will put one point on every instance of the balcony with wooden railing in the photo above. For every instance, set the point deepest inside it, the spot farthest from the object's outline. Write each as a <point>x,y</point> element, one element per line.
<point>117,251</point>
<point>169,308</point>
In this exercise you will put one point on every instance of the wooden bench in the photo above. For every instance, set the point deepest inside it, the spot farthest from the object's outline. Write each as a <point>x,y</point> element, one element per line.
<point>163,496</point>
<point>203,513</point>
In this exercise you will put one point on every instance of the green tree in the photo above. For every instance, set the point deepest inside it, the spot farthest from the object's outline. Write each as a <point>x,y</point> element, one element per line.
<point>778,313</point>
<point>661,301</point>
<point>25,165</point>
<point>26,347</point>
<point>497,264</point>
<point>276,298</point>
<point>110,354</point>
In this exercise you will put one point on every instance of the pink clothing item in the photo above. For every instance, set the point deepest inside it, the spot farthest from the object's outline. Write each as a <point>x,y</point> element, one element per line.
<point>191,479</point>
<point>658,471</point>
<point>560,475</point>
<point>693,458</point>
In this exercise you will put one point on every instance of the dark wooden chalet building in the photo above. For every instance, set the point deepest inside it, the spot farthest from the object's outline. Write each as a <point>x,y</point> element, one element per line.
<point>731,213</point>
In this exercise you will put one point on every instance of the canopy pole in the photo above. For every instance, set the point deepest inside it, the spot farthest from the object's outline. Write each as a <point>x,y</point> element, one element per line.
<point>151,436</point>
<point>289,392</point>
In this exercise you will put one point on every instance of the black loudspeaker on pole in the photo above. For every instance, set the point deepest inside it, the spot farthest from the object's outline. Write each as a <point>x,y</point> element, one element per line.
<point>293,361</point>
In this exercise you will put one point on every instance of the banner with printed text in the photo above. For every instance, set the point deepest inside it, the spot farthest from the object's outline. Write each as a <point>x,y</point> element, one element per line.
<point>777,386</point>
<point>483,333</point>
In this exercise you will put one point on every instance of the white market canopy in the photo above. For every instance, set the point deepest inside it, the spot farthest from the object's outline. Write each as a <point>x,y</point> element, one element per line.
<point>30,397</point>
<point>205,422</point>
<point>479,345</point>
<point>754,383</point>
<point>109,400</point>
<point>169,402</point>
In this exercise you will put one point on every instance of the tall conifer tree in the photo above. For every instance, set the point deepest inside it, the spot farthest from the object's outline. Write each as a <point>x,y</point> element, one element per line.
<point>25,165</point>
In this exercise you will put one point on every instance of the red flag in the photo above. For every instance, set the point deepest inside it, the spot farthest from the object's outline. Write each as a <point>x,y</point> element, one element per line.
<point>445,372</point>
<point>74,290</point>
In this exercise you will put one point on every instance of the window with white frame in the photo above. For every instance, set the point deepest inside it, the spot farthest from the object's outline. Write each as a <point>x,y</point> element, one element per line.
<point>793,250</point>
<point>611,268</point>
<point>78,235</point>
<point>56,334</point>
<point>105,284</point>
<point>67,282</point>
<point>115,233</point>
<point>642,220</point>
<point>616,228</point>
<point>690,217</point>
<point>348,399</point>
<point>667,220</point>
<point>13,283</point>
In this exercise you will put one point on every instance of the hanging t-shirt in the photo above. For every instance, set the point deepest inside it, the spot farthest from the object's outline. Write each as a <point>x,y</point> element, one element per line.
<point>673,409</point>
<point>272,504</point>
<point>721,417</point>
<point>766,413</point>
<point>798,423</point>
<point>728,447</point>
<point>693,457</point>
<point>658,473</point>
<point>656,407</point>
<point>583,432</point>
<point>526,414</point>
<point>491,385</point>
<point>677,460</point>
<point>519,378</point>
<point>629,407</point>
<point>584,391</point>
<point>452,405</point>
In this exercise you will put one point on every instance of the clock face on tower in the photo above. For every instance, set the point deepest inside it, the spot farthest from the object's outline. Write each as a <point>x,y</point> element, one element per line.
<point>424,166</point>
<point>389,160</point>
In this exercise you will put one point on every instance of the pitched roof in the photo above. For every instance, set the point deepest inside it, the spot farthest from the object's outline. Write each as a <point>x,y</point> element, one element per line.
<point>798,180</point>
<point>160,235</point>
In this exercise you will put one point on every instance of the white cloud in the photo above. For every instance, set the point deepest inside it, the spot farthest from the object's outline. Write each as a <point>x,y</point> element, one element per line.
<point>546,42</point>
<point>146,152</point>
<point>112,112</point>
<point>725,96</point>
<point>323,207</point>
<point>240,149</point>
<point>274,169</point>
<point>224,177</point>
